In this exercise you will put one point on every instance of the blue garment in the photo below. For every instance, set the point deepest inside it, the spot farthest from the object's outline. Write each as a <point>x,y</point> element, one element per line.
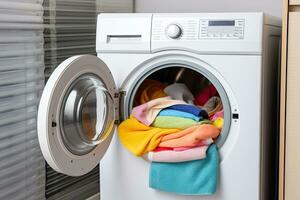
<point>190,109</point>
<point>177,113</point>
<point>199,177</point>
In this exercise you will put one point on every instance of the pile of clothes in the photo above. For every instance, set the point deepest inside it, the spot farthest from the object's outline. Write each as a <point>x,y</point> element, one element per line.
<point>176,131</point>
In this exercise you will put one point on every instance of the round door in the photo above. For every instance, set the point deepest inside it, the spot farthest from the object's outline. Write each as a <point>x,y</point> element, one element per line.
<point>76,115</point>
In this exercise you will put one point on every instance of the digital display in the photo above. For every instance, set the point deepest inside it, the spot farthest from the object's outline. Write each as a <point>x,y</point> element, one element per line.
<point>221,23</point>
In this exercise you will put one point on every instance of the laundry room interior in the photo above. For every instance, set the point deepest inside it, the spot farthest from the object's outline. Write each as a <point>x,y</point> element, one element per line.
<point>149,100</point>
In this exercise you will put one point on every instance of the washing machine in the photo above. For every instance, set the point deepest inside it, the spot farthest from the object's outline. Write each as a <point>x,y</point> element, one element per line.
<point>87,96</point>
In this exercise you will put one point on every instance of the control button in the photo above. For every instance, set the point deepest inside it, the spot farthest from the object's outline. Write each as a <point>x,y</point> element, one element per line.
<point>174,31</point>
<point>235,115</point>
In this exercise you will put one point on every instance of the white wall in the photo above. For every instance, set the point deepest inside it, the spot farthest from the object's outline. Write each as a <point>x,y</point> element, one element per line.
<point>272,7</point>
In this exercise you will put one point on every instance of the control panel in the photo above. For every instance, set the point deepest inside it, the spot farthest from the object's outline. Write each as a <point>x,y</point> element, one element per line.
<point>221,29</point>
<point>195,29</point>
<point>197,32</point>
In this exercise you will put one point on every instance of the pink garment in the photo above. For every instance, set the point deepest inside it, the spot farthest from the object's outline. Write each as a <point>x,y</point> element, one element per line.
<point>206,142</point>
<point>196,153</point>
<point>205,95</point>
<point>219,114</point>
<point>147,112</point>
<point>182,148</point>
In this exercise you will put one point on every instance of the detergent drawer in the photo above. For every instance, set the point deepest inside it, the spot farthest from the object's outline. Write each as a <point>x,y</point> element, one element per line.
<point>123,33</point>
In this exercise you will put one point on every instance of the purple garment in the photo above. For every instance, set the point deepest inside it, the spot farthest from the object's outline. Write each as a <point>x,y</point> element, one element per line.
<point>190,109</point>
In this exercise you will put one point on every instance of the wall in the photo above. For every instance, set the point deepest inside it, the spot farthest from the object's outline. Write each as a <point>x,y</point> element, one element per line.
<point>272,7</point>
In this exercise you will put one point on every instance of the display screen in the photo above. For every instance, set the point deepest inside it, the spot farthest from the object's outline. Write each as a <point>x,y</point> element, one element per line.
<point>222,23</point>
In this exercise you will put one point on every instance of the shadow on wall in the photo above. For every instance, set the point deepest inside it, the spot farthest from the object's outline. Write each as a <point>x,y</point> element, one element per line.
<point>272,7</point>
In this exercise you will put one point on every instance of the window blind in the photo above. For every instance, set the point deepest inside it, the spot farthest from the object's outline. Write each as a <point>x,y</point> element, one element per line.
<point>70,29</point>
<point>22,168</point>
<point>112,6</point>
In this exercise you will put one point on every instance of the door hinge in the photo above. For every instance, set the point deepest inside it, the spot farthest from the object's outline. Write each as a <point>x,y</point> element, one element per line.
<point>119,94</point>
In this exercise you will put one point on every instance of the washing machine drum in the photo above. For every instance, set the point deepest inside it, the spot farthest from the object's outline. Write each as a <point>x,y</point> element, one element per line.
<point>193,75</point>
<point>79,108</point>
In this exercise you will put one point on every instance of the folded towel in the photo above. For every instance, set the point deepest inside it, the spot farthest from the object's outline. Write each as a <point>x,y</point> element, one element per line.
<point>175,122</point>
<point>149,90</point>
<point>206,142</point>
<point>196,153</point>
<point>139,138</point>
<point>203,96</point>
<point>177,113</point>
<point>190,137</point>
<point>181,148</point>
<point>190,109</point>
<point>147,112</point>
<point>180,91</point>
<point>199,177</point>
<point>202,143</point>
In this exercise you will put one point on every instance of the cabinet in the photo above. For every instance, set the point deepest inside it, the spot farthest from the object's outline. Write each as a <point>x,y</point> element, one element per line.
<point>292,149</point>
<point>294,2</point>
<point>289,176</point>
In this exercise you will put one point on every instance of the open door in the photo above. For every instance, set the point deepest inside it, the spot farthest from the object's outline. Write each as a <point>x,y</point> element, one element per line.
<point>76,115</point>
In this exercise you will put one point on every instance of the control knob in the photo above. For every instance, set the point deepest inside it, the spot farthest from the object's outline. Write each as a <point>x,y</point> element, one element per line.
<point>174,31</point>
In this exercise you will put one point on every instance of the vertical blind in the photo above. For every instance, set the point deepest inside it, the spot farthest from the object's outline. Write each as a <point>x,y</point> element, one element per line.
<point>22,168</point>
<point>70,29</point>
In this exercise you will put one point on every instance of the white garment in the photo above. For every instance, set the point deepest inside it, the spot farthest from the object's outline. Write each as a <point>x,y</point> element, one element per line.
<point>180,91</point>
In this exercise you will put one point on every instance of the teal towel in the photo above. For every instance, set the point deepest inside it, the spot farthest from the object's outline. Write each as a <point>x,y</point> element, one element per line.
<point>199,177</point>
<point>176,122</point>
<point>177,113</point>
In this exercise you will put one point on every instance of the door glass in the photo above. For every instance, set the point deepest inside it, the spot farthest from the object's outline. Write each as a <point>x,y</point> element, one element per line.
<point>87,114</point>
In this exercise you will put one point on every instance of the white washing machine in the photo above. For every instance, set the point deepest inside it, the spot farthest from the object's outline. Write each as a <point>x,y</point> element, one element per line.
<point>87,96</point>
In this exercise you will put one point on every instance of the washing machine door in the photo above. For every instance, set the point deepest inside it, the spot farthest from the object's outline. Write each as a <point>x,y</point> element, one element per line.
<point>76,115</point>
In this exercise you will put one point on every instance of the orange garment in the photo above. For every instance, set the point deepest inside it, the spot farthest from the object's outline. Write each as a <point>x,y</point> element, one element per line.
<point>139,138</point>
<point>149,90</point>
<point>190,137</point>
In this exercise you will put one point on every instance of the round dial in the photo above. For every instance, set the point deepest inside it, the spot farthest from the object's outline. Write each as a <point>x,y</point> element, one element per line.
<point>174,31</point>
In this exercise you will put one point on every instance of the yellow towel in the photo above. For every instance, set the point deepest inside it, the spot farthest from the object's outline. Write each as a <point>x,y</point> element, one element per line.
<point>139,138</point>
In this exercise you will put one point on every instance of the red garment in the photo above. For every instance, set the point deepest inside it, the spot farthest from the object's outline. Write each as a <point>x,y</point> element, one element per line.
<point>205,95</point>
<point>158,149</point>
